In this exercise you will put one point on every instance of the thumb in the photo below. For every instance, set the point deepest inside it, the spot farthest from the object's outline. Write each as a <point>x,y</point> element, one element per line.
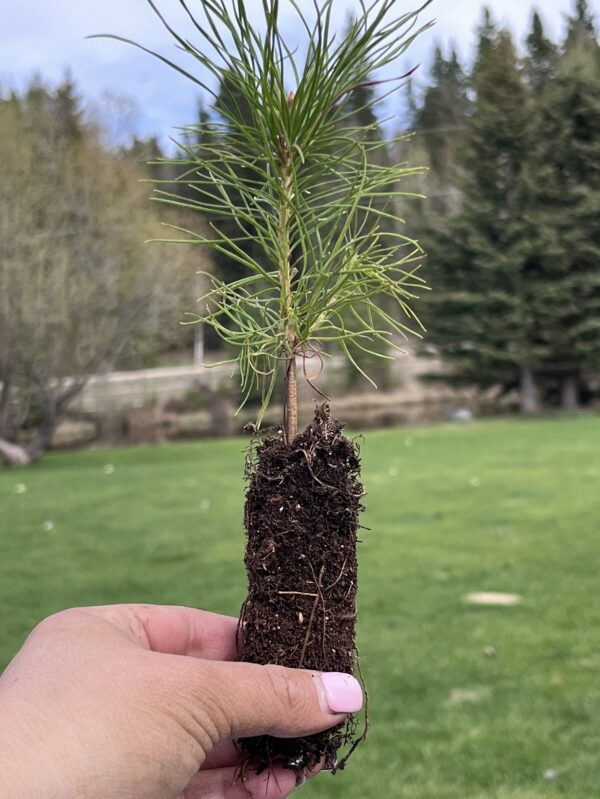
<point>245,699</point>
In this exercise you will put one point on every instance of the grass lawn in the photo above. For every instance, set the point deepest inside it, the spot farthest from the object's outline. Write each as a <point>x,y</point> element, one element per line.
<point>500,506</point>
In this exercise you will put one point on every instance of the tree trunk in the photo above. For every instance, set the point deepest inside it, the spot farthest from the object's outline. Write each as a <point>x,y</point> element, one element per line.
<point>43,437</point>
<point>54,409</point>
<point>569,394</point>
<point>199,344</point>
<point>529,395</point>
<point>291,401</point>
<point>4,400</point>
<point>13,454</point>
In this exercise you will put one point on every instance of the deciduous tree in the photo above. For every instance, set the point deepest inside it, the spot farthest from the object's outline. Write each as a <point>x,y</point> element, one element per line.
<point>78,286</point>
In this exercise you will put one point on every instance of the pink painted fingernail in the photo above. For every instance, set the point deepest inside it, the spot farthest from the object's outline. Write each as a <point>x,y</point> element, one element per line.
<point>343,692</point>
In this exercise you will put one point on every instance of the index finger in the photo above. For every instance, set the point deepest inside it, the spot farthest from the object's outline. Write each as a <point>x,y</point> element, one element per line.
<point>176,630</point>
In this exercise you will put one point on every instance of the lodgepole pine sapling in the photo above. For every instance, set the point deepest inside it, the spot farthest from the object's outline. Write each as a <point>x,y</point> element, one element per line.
<point>313,209</point>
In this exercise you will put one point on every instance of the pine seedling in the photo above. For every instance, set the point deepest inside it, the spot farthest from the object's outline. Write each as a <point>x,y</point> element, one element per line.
<point>325,264</point>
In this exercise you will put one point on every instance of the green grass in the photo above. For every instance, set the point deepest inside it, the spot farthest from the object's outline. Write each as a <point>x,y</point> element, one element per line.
<point>501,506</point>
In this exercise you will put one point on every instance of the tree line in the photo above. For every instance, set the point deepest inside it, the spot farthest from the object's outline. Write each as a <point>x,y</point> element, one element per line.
<point>512,223</point>
<point>80,290</point>
<point>509,227</point>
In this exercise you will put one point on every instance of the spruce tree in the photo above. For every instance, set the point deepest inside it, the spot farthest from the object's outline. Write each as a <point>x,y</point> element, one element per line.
<point>479,314</point>
<point>440,120</point>
<point>542,55</point>
<point>437,119</point>
<point>562,185</point>
<point>582,27</point>
<point>513,266</point>
<point>68,114</point>
<point>359,121</point>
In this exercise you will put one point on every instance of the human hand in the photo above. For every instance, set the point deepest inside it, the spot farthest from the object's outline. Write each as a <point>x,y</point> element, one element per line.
<point>129,701</point>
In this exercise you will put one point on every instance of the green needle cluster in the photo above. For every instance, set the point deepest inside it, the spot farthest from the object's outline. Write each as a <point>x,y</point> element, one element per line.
<point>298,179</point>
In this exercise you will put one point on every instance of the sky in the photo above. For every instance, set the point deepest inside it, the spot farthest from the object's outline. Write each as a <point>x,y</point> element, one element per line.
<point>131,91</point>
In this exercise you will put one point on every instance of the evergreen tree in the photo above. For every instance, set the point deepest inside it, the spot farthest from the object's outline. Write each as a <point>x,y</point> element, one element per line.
<point>359,104</point>
<point>67,111</point>
<point>487,36</point>
<point>360,122</point>
<point>148,154</point>
<point>542,55</point>
<point>514,264</point>
<point>481,313</point>
<point>230,105</point>
<point>437,118</point>
<point>58,110</point>
<point>442,113</point>
<point>144,151</point>
<point>582,28</point>
<point>563,209</point>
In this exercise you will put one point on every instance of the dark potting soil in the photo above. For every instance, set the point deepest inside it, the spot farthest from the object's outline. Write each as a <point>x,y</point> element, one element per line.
<point>302,509</point>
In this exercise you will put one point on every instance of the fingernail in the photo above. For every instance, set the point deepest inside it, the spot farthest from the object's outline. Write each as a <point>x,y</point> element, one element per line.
<point>343,692</point>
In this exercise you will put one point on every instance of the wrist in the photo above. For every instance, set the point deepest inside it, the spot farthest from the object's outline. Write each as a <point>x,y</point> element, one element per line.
<point>28,767</point>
